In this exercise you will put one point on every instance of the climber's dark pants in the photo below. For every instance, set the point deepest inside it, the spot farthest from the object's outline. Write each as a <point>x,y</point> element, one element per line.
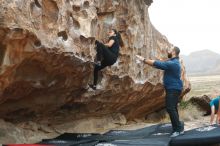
<point>172,98</point>
<point>106,57</point>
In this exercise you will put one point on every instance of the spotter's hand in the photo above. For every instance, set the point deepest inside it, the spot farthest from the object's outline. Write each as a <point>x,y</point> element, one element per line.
<point>140,57</point>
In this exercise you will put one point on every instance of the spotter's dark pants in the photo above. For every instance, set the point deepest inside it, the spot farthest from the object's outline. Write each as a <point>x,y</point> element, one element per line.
<point>172,98</point>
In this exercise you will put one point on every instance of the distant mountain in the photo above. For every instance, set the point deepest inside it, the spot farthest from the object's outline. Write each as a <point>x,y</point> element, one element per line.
<point>203,62</point>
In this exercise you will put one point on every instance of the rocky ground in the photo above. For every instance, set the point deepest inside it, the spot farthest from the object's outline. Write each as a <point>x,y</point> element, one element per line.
<point>31,132</point>
<point>191,112</point>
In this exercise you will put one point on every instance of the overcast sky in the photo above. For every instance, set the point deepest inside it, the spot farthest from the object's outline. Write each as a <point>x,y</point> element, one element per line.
<point>191,25</point>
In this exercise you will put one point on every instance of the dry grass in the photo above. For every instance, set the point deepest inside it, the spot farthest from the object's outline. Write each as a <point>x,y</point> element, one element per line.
<point>204,85</point>
<point>187,112</point>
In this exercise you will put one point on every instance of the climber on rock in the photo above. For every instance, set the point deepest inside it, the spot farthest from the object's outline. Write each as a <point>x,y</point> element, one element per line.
<point>214,104</point>
<point>107,54</point>
<point>173,86</point>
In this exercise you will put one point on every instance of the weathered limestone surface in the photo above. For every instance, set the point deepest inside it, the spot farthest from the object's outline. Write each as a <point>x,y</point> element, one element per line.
<point>46,50</point>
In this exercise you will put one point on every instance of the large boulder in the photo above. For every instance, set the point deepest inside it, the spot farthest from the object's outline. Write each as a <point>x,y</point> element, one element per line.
<point>46,54</point>
<point>202,103</point>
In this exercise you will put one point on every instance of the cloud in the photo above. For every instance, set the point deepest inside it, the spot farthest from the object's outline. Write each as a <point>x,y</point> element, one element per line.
<point>190,24</point>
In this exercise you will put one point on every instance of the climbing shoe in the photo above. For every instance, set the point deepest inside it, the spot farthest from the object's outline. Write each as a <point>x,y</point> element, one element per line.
<point>92,86</point>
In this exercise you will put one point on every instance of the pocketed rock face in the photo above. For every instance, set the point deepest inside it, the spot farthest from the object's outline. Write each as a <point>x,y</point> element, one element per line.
<point>46,50</point>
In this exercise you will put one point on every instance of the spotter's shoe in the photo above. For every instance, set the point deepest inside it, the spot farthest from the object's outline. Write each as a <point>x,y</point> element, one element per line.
<point>175,134</point>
